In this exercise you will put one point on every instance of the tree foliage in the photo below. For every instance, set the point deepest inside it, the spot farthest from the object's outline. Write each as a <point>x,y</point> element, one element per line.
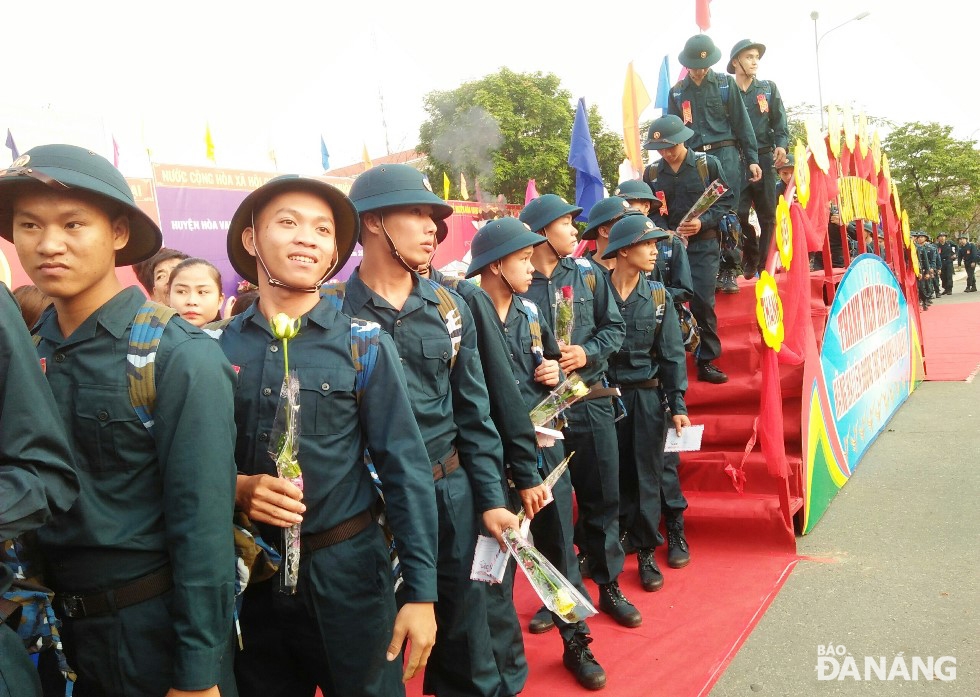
<point>506,128</point>
<point>937,178</point>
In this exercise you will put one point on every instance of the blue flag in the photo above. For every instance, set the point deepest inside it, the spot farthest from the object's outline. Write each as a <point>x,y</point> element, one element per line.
<point>324,155</point>
<point>589,188</point>
<point>12,145</point>
<point>663,87</point>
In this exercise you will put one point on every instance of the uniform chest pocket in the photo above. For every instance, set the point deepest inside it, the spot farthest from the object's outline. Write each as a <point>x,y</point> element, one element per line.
<point>641,336</point>
<point>584,312</point>
<point>434,368</point>
<point>107,430</point>
<point>327,401</point>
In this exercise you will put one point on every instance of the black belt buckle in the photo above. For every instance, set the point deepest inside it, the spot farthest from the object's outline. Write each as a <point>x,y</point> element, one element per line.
<point>72,606</point>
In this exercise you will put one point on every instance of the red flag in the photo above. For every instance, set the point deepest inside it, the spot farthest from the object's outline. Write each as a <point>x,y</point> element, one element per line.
<point>115,153</point>
<point>531,192</point>
<point>702,14</point>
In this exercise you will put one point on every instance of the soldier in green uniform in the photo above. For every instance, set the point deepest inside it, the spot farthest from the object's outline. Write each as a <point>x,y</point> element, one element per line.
<point>767,114</point>
<point>597,333</point>
<point>143,564</point>
<point>708,102</point>
<point>966,255</point>
<point>677,176</point>
<point>501,256</point>
<point>520,465</point>
<point>924,282</point>
<point>435,334</point>
<point>650,362</point>
<point>37,479</point>
<point>602,215</point>
<point>340,630</point>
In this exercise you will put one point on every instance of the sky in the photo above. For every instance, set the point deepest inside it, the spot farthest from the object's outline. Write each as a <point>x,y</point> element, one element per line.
<point>276,76</point>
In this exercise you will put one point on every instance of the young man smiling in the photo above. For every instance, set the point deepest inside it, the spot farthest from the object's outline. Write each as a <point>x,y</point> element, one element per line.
<point>341,630</point>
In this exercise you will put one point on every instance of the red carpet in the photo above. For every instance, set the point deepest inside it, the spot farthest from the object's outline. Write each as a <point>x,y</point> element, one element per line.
<point>691,629</point>
<point>951,340</point>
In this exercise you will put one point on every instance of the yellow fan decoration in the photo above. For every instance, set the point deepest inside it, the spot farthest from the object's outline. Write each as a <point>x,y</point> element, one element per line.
<point>863,134</point>
<point>914,254</point>
<point>906,230</point>
<point>784,233</point>
<point>833,129</point>
<point>876,152</point>
<point>814,139</point>
<point>802,174</point>
<point>769,311</point>
<point>848,120</point>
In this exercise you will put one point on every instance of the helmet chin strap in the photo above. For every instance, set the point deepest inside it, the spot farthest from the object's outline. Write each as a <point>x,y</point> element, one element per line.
<point>421,268</point>
<point>275,282</point>
<point>504,279</point>
<point>552,247</point>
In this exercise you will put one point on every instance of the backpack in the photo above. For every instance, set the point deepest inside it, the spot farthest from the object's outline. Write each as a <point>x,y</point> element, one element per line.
<point>588,272</point>
<point>690,331</point>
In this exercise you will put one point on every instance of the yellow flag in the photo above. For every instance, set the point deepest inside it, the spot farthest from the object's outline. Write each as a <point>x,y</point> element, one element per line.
<point>635,100</point>
<point>464,193</point>
<point>208,143</point>
<point>445,186</point>
<point>366,158</point>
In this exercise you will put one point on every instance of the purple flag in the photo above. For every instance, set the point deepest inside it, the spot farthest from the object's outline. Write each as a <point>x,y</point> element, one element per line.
<point>12,145</point>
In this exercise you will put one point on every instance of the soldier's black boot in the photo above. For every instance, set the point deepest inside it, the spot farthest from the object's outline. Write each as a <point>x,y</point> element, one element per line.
<point>678,553</point>
<point>651,578</point>
<point>614,603</point>
<point>541,622</point>
<point>580,662</point>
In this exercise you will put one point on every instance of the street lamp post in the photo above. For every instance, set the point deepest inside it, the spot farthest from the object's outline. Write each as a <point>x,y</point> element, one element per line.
<point>816,46</point>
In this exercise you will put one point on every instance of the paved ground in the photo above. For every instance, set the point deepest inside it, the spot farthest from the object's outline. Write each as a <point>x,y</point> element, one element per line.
<point>896,564</point>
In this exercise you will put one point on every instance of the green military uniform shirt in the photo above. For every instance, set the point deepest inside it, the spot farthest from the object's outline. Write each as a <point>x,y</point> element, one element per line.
<point>652,349</point>
<point>712,118</point>
<point>335,429</point>
<point>451,406</point>
<point>767,113</point>
<point>684,187</point>
<point>598,327</point>
<point>147,500</point>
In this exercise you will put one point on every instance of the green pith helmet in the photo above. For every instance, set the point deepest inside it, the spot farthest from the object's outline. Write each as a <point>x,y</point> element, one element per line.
<point>543,210</point>
<point>666,132</point>
<point>789,164</point>
<point>632,229</point>
<point>497,239</point>
<point>67,168</point>
<point>604,211</point>
<point>744,45</point>
<point>442,230</point>
<point>699,52</point>
<point>637,190</point>
<point>344,215</point>
<point>394,186</point>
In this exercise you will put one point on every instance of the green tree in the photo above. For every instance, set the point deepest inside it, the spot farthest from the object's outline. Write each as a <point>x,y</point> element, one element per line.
<point>937,177</point>
<point>506,128</point>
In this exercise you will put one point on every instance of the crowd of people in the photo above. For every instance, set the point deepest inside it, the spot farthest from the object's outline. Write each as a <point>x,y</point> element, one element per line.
<point>145,427</point>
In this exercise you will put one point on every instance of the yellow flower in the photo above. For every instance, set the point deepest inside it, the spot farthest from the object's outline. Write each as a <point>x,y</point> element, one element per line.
<point>563,602</point>
<point>284,326</point>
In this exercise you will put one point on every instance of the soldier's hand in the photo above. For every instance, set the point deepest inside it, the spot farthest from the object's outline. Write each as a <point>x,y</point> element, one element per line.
<point>572,358</point>
<point>689,227</point>
<point>496,520</point>
<point>755,172</point>
<point>415,623</point>
<point>680,422</point>
<point>268,499</point>
<point>210,692</point>
<point>534,499</point>
<point>547,373</point>
<point>778,156</point>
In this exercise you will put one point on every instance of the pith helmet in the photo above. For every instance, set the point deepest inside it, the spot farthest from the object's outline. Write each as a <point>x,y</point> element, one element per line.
<point>344,214</point>
<point>497,239</point>
<point>699,52</point>
<point>546,209</point>
<point>666,132</point>
<point>70,168</point>
<point>637,190</point>
<point>632,229</point>
<point>744,45</point>
<point>392,186</point>
<point>604,211</point>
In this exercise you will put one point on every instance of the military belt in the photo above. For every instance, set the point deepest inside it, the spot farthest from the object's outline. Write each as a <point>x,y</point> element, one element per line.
<point>341,532</point>
<point>445,466</point>
<point>105,603</point>
<point>600,391</point>
<point>766,151</point>
<point>641,385</point>
<point>707,147</point>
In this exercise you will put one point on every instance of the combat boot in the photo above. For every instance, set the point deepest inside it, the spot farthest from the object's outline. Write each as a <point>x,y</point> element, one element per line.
<point>651,578</point>
<point>580,662</point>
<point>678,553</point>
<point>614,603</point>
<point>542,622</point>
